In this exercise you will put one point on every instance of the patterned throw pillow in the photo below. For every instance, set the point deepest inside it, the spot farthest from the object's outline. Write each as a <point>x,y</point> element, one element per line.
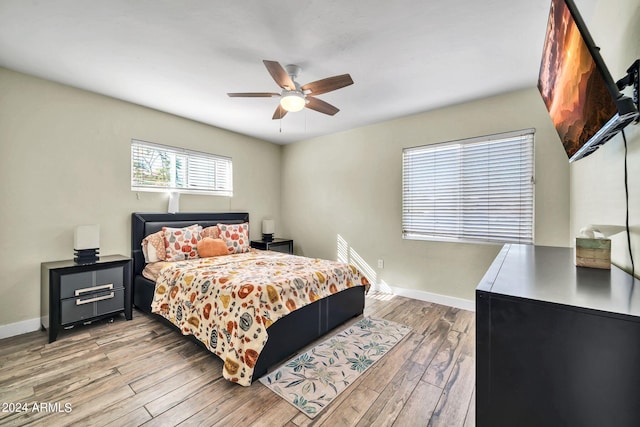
<point>153,247</point>
<point>181,243</point>
<point>236,236</point>
<point>212,232</point>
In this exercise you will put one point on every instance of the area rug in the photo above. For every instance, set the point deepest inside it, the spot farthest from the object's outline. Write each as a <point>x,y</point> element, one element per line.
<point>311,380</point>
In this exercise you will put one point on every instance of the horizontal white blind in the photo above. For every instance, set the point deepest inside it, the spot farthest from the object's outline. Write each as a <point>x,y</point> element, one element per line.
<point>159,167</point>
<point>473,190</point>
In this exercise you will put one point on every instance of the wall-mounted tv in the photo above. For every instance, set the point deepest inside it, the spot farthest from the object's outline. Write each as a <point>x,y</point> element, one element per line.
<point>583,100</point>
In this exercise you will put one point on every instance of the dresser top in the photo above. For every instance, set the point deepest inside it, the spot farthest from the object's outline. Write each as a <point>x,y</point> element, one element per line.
<point>69,263</point>
<point>549,274</point>
<point>275,240</point>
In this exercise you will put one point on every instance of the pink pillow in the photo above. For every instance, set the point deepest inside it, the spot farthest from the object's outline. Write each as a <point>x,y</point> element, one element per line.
<point>236,236</point>
<point>181,243</point>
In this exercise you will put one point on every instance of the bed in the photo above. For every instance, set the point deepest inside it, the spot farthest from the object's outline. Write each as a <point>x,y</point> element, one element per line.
<point>286,335</point>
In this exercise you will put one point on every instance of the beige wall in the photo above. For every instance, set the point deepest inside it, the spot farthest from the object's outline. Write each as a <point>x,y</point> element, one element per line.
<point>64,161</point>
<point>349,185</point>
<point>597,181</point>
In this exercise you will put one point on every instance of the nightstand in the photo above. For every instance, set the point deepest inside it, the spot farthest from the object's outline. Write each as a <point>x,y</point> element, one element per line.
<point>277,244</point>
<point>73,294</point>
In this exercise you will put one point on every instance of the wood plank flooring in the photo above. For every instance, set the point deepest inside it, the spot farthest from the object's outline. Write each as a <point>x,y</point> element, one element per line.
<point>141,372</point>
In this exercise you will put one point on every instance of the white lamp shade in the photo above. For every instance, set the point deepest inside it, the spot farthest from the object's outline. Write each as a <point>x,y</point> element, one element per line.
<point>174,202</point>
<point>86,237</point>
<point>268,226</point>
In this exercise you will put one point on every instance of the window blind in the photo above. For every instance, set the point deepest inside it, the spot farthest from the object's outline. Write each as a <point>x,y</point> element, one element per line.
<point>156,167</point>
<point>480,189</point>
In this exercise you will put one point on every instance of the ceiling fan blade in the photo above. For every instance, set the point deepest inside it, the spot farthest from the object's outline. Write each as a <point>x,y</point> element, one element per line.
<point>279,113</point>
<point>253,94</point>
<point>279,75</point>
<point>321,106</point>
<point>327,85</point>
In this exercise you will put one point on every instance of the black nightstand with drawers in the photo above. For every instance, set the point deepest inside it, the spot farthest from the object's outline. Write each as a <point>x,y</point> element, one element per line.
<point>278,245</point>
<point>74,294</point>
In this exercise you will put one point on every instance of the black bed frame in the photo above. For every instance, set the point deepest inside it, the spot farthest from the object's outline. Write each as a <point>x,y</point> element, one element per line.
<point>287,335</point>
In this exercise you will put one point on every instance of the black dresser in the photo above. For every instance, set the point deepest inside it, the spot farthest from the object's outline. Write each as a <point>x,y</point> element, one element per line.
<point>556,344</point>
<point>73,294</point>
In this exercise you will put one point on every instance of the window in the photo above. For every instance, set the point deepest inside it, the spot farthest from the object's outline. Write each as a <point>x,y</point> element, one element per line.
<point>478,189</point>
<point>157,167</point>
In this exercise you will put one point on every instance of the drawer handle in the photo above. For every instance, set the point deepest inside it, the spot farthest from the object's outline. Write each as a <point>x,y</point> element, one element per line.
<point>90,300</point>
<point>93,289</point>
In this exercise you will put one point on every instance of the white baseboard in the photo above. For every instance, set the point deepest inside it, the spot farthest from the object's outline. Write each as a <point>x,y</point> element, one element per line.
<point>19,328</point>
<point>461,303</point>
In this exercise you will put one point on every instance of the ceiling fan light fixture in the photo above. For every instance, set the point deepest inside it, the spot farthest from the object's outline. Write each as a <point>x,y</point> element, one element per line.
<point>294,97</point>
<point>292,101</point>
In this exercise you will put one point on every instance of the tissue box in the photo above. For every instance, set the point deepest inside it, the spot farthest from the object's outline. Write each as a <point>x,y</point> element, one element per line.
<point>594,253</point>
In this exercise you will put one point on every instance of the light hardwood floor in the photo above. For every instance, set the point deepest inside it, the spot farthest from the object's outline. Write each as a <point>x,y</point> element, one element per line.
<point>140,372</point>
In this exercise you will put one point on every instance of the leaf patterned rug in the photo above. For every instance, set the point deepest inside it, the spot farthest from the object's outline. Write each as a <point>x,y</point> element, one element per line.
<point>311,380</point>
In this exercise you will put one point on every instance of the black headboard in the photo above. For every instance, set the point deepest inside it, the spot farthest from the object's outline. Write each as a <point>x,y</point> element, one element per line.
<point>143,224</point>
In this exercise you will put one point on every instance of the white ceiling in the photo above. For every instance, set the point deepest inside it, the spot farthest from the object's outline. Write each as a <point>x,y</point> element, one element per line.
<point>182,57</point>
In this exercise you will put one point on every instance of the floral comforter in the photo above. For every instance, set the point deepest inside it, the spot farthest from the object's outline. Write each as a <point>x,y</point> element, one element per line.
<point>228,302</point>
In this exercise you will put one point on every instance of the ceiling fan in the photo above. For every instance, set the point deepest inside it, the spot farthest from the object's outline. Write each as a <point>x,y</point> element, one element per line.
<point>295,97</point>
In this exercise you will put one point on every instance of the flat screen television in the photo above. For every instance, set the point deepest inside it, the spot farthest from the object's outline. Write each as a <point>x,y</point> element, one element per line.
<point>583,100</point>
